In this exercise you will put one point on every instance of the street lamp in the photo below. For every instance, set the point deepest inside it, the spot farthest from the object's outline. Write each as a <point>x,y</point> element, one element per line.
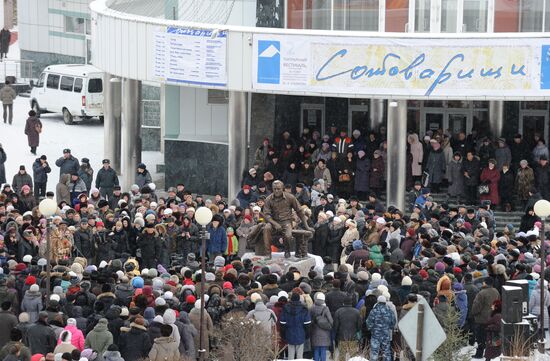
<point>47,208</point>
<point>203,216</point>
<point>542,210</point>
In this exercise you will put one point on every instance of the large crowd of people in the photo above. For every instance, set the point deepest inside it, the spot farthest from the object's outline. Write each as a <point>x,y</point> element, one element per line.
<point>125,282</point>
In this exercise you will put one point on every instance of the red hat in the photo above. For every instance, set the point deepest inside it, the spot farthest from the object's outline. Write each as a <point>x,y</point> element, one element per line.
<point>248,217</point>
<point>246,186</point>
<point>171,283</point>
<point>227,285</point>
<point>411,232</point>
<point>30,280</point>
<point>227,268</point>
<point>423,273</point>
<point>99,223</point>
<point>20,267</point>
<point>457,270</point>
<point>190,299</point>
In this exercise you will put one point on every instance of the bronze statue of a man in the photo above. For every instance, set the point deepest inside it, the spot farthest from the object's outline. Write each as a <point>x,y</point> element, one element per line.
<point>278,215</point>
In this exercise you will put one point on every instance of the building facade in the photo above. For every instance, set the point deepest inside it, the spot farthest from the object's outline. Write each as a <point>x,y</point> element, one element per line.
<point>391,75</point>
<point>54,32</point>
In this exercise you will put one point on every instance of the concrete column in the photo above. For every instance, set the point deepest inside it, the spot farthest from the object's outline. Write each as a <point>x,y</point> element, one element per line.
<point>397,154</point>
<point>131,136</point>
<point>376,114</point>
<point>112,120</point>
<point>237,134</point>
<point>496,117</point>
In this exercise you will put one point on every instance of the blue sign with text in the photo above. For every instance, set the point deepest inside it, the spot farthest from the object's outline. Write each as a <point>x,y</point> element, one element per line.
<point>269,62</point>
<point>545,67</point>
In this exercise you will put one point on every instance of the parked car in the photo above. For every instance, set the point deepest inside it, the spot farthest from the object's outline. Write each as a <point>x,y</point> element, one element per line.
<point>75,90</point>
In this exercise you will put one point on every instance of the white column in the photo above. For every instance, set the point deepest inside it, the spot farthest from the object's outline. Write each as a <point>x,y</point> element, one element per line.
<point>112,120</point>
<point>131,136</point>
<point>376,114</point>
<point>237,134</point>
<point>397,154</point>
<point>496,117</point>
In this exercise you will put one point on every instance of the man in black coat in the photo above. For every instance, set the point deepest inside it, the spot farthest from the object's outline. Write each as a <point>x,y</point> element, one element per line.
<point>67,163</point>
<point>40,170</point>
<point>5,38</point>
<point>83,241</point>
<point>40,336</point>
<point>106,180</point>
<point>471,169</point>
<point>149,244</point>
<point>542,177</point>
<point>335,297</point>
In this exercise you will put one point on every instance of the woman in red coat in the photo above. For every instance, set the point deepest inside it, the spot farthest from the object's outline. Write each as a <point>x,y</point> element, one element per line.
<point>491,176</point>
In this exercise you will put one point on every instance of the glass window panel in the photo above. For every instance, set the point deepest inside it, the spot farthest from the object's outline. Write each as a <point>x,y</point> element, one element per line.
<point>95,86</point>
<point>397,15</point>
<point>448,16</point>
<point>422,16</point>
<point>75,25</point>
<point>434,103</point>
<point>481,104</point>
<point>475,16</point>
<point>531,15</point>
<point>78,85</point>
<point>458,104</point>
<point>67,83</point>
<point>53,81</point>
<point>356,15</point>
<point>532,105</point>
<point>318,15</point>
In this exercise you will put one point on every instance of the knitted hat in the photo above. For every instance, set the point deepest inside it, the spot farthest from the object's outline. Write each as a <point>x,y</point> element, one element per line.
<point>320,296</point>
<point>30,280</point>
<point>376,277</point>
<point>381,299</point>
<point>406,281</point>
<point>363,276</point>
<point>255,297</point>
<point>440,267</point>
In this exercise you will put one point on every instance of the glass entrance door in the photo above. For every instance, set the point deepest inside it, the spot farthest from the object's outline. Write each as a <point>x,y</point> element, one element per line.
<point>312,117</point>
<point>359,119</point>
<point>434,121</point>
<point>534,122</point>
<point>457,122</point>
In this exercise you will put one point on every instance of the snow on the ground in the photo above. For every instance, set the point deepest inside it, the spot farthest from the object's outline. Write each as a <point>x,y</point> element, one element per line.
<point>85,139</point>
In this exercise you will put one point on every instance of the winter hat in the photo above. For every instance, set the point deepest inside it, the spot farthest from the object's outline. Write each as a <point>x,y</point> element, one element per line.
<point>24,317</point>
<point>255,297</point>
<point>168,295</point>
<point>219,261</point>
<point>190,299</point>
<point>160,301</point>
<point>458,286</point>
<point>227,285</point>
<point>320,296</point>
<point>357,244</point>
<point>439,267</point>
<point>381,299</point>
<point>283,294</point>
<point>158,319</point>
<point>30,280</point>
<point>55,297</point>
<point>34,288</point>
<point>363,276</point>
<point>376,277</point>
<point>71,321</point>
<point>137,282</point>
<point>423,273</point>
<point>406,281</point>
<point>124,312</point>
<point>169,317</point>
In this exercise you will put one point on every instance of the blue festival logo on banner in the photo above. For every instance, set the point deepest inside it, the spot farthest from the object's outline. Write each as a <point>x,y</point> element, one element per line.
<point>545,67</point>
<point>269,62</point>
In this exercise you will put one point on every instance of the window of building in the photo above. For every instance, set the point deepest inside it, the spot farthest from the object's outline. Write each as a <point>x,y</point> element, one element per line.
<point>534,15</point>
<point>475,16</point>
<point>95,85</point>
<point>77,85</point>
<point>218,96</point>
<point>40,83</point>
<point>449,13</point>
<point>356,15</point>
<point>67,83</point>
<point>397,15</point>
<point>53,81</point>
<point>318,14</point>
<point>422,16</point>
<point>77,25</point>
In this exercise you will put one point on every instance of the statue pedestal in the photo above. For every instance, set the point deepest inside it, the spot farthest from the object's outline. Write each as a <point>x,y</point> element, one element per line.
<point>302,264</point>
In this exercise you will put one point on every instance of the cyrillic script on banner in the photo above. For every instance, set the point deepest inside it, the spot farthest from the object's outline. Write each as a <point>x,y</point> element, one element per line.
<point>402,66</point>
<point>190,56</point>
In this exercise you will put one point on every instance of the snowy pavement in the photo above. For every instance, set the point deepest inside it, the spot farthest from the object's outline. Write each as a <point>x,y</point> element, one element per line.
<point>85,139</point>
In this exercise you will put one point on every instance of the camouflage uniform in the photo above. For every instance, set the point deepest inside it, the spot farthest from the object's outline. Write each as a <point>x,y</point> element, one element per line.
<point>381,322</point>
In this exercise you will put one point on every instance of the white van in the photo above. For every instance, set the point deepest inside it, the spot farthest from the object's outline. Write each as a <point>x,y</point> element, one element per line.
<point>76,90</point>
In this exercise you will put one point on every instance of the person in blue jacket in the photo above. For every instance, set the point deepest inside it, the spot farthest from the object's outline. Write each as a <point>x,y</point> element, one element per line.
<point>217,244</point>
<point>295,323</point>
